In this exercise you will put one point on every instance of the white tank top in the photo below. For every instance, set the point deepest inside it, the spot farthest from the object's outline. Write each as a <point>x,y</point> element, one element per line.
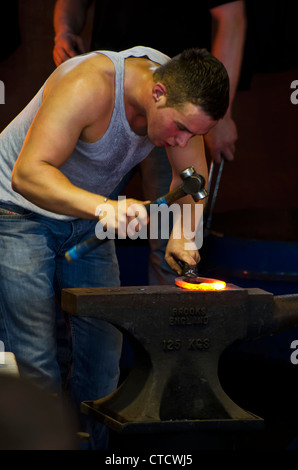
<point>96,167</point>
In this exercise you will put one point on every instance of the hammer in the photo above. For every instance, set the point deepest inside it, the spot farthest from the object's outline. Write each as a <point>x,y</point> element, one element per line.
<point>193,184</point>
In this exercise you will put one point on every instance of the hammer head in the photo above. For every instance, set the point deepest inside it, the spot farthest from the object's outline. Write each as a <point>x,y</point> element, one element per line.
<point>193,184</point>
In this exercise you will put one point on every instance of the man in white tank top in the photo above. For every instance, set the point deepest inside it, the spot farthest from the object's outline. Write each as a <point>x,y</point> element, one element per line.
<point>95,116</point>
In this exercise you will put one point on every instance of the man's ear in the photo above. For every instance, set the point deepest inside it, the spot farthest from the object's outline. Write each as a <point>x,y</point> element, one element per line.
<point>159,91</point>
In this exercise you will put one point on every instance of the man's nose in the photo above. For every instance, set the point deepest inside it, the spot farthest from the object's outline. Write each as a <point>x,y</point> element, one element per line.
<point>182,139</point>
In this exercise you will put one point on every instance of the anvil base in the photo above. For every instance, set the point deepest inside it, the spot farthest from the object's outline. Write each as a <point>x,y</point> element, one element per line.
<point>173,392</point>
<point>178,435</point>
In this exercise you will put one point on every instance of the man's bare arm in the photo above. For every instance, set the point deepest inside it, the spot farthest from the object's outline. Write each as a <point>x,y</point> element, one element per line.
<point>180,158</point>
<point>74,103</point>
<point>69,20</point>
<point>228,36</point>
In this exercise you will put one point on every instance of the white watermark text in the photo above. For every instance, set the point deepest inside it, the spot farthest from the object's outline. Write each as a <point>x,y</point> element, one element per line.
<point>2,92</point>
<point>294,94</point>
<point>186,219</point>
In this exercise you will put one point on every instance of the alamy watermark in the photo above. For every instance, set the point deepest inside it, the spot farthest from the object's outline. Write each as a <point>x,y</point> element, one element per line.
<point>2,353</point>
<point>186,220</point>
<point>2,92</point>
<point>294,94</point>
<point>294,355</point>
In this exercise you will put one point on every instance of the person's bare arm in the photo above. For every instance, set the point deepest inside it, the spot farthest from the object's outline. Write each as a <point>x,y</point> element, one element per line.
<point>69,20</point>
<point>179,248</point>
<point>228,36</point>
<point>67,111</point>
<point>73,105</point>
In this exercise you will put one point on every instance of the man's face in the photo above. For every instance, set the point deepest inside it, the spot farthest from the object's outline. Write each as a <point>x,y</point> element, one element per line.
<point>171,127</point>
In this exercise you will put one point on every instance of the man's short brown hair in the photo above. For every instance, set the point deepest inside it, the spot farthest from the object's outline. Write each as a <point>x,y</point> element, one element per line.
<point>196,76</point>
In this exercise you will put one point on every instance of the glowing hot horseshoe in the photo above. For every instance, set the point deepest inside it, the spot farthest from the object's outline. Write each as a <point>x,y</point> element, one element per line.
<point>200,284</point>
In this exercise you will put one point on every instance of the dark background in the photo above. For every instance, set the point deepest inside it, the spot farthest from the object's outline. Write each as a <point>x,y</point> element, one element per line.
<point>261,182</point>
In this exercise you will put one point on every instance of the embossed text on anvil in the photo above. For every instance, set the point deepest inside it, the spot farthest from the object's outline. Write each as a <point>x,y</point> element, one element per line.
<point>188,316</point>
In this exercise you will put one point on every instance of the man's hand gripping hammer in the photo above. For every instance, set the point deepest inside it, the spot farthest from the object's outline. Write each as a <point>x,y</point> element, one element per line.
<point>192,184</point>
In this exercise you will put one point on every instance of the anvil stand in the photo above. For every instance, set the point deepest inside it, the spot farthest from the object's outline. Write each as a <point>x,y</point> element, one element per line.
<point>172,398</point>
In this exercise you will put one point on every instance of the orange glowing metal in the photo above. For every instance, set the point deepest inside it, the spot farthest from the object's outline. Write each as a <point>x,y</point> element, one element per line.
<point>195,284</point>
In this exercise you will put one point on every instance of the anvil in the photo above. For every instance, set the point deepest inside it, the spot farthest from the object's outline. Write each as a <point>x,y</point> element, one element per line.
<point>178,337</point>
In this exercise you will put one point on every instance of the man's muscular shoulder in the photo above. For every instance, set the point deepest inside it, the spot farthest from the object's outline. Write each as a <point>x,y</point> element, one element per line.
<point>84,86</point>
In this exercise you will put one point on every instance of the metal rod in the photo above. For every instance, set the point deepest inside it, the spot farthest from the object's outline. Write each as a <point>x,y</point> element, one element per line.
<point>214,195</point>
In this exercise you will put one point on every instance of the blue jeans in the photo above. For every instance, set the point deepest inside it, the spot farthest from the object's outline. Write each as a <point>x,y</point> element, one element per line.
<point>33,270</point>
